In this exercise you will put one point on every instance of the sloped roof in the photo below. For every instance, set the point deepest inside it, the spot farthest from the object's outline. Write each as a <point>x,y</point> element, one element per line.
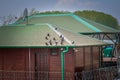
<point>81,40</point>
<point>71,22</point>
<point>103,28</point>
<point>34,35</point>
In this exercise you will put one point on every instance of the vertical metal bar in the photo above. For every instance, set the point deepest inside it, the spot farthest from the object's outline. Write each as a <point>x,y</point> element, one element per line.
<point>91,52</point>
<point>103,37</point>
<point>29,63</point>
<point>91,61</point>
<point>2,65</point>
<point>114,52</point>
<point>14,75</point>
<point>99,52</point>
<point>46,64</point>
<point>118,60</point>
<point>101,56</point>
<point>119,38</point>
<point>116,37</point>
<point>93,35</point>
<point>45,73</point>
<point>83,58</point>
<point>99,36</point>
<point>40,66</point>
<point>36,74</point>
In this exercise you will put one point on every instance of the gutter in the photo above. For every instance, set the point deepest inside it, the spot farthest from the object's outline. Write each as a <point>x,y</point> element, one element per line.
<point>63,62</point>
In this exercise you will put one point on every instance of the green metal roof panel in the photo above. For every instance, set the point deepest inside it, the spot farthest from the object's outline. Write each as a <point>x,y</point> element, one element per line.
<point>101,27</point>
<point>34,35</point>
<point>27,36</point>
<point>81,40</point>
<point>85,23</point>
<point>70,22</point>
<point>66,22</point>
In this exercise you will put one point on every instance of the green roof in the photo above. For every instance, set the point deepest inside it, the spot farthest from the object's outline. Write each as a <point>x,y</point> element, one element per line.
<point>31,35</point>
<point>70,22</point>
<point>81,40</point>
<point>34,35</point>
<point>66,25</point>
<point>103,28</point>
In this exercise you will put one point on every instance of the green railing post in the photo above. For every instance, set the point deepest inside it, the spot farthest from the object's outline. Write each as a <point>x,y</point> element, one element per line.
<point>63,62</point>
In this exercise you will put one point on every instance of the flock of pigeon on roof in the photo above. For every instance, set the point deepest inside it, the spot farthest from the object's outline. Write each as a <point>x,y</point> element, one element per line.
<point>53,41</point>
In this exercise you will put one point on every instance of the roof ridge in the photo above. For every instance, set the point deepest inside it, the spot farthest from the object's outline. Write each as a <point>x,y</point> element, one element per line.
<point>43,15</point>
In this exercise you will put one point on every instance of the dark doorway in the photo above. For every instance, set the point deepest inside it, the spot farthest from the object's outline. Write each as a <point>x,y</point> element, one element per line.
<point>41,65</point>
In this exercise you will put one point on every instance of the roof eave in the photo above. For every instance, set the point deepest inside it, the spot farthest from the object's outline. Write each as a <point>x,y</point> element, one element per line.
<point>62,46</point>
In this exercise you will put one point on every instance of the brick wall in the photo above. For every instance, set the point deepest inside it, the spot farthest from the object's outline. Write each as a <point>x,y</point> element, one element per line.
<point>17,59</point>
<point>83,58</point>
<point>13,59</point>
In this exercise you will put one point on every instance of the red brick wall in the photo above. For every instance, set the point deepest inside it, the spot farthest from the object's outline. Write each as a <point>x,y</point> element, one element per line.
<point>55,63</point>
<point>70,61</point>
<point>17,59</point>
<point>87,58</point>
<point>36,59</point>
<point>80,58</point>
<point>96,57</point>
<point>70,64</point>
<point>13,59</point>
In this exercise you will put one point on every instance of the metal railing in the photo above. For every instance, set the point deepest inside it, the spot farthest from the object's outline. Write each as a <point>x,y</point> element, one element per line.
<point>107,73</point>
<point>32,75</point>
